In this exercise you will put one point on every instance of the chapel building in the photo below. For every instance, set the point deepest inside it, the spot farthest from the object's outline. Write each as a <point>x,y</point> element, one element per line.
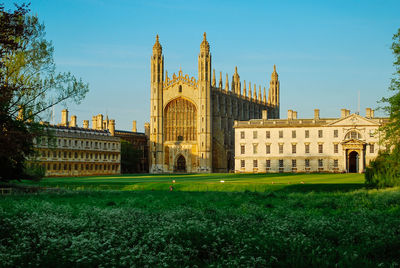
<point>191,120</point>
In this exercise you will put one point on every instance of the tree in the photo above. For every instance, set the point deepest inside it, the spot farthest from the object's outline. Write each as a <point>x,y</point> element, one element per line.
<point>384,171</point>
<point>392,129</point>
<point>29,86</point>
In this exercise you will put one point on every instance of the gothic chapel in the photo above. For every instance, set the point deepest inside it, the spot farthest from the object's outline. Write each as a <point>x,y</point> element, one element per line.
<point>191,120</point>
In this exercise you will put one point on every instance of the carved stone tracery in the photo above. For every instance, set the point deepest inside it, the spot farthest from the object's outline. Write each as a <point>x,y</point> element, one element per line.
<point>191,81</point>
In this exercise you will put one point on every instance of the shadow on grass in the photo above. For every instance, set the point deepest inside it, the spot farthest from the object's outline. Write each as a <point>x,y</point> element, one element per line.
<point>323,187</point>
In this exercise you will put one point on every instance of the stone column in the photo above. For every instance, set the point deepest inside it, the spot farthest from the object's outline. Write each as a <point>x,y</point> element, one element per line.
<point>345,160</point>
<point>361,164</point>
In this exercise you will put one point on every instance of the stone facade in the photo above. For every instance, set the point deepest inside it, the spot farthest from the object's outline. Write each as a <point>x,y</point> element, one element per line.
<point>345,144</point>
<point>70,150</point>
<point>191,120</point>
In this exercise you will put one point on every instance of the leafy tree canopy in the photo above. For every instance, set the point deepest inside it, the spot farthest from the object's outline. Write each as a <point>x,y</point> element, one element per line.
<point>29,86</point>
<point>384,171</point>
<point>392,129</point>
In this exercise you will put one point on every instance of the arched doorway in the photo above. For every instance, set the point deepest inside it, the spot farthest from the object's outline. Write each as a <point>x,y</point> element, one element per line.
<point>353,162</point>
<point>180,164</point>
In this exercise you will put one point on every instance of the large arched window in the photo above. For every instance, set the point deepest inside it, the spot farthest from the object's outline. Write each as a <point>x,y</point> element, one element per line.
<point>353,135</point>
<point>180,117</point>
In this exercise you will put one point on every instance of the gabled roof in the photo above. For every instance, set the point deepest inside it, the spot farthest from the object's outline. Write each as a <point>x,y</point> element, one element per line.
<point>354,120</point>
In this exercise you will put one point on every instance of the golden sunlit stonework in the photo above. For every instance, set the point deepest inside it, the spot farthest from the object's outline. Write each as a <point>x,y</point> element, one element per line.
<point>79,151</point>
<point>191,120</point>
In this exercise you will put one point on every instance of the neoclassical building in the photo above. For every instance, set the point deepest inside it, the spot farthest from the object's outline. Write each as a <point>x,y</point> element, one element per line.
<point>191,119</point>
<point>345,144</point>
<point>78,151</point>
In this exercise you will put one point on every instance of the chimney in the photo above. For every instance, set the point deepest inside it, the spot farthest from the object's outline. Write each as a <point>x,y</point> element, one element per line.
<point>64,118</point>
<point>347,112</point>
<point>134,129</point>
<point>342,113</point>
<point>294,114</point>
<point>147,130</point>
<point>85,123</point>
<point>111,127</point>
<point>99,123</point>
<point>368,112</point>
<point>73,121</point>
<point>316,113</point>
<point>94,122</point>
<point>372,113</point>
<point>290,114</point>
<point>264,114</point>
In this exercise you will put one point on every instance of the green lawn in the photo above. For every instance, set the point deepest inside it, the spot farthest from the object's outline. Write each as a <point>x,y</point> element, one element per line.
<point>212,182</point>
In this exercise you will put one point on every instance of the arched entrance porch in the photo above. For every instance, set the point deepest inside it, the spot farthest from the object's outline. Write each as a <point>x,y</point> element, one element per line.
<point>180,165</point>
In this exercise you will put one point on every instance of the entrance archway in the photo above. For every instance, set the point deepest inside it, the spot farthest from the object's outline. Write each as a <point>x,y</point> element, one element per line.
<point>353,162</point>
<point>180,164</point>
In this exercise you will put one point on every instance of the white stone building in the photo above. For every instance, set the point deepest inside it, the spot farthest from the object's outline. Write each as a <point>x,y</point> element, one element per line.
<point>345,144</point>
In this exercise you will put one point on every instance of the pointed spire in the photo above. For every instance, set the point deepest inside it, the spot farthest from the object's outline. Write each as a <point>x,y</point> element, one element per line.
<point>157,48</point>
<point>227,83</point>
<point>236,82</point>
<point>259,94</point>
<point>250,96</point>
<point>205,46</point>
<point>213,79</point>
<point>244,88</point>
<point>255,92</point>
<point>265,97</point>
<point>220,80</point>
<point>274,75</point>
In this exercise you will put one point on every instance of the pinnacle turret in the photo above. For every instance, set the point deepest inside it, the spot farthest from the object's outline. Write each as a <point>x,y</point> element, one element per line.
<point>213,79</point>
<point>157,48</point>
<point>220,80</point>
<point>274,75</point>
<point>205,46</point>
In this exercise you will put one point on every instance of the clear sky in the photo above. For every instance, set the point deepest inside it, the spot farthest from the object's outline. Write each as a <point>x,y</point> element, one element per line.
<point>325,51</point>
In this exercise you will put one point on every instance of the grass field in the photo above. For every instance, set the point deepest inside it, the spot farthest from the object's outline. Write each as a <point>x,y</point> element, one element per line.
<point>329,221</point>
<point>212,182</point>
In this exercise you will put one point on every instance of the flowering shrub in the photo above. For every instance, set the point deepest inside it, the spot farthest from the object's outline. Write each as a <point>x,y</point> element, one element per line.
<point>200,229</point>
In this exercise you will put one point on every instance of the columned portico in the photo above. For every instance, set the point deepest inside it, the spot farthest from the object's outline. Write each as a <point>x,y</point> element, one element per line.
<point>353,152</point>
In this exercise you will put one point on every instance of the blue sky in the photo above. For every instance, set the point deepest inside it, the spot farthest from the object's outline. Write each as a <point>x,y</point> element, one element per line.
<point>325,51</point>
